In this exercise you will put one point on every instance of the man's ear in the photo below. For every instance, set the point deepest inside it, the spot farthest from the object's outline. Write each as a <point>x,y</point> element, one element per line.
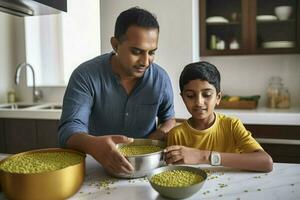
<point>181,94</point>
<point>114,43</point>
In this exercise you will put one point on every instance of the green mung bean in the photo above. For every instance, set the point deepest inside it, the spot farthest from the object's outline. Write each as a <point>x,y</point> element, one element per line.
<point>131,150</point>
<point>176,178</point>
<point>40,162</point>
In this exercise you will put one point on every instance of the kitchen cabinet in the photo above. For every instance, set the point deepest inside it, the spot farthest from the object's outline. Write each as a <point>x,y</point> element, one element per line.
<point>282,142</point>
<point>47,135</point>
<point>20,135</point>
<point>28,134</point>
<point>2,137</point>
<point>240,27</point>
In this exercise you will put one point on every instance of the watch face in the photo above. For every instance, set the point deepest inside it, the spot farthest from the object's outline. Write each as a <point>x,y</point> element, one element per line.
<point>215,158</point>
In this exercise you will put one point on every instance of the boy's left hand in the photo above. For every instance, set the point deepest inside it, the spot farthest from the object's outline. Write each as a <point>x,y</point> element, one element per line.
<point>185,155</point>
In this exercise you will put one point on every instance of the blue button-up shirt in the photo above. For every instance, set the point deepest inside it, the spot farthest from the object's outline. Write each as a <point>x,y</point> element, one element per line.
<point>95,102</point>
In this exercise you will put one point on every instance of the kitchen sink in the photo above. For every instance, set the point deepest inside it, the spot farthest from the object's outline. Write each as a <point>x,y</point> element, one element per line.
<point>31,106</point>
<point>52,107</point>
<point>16,106</point>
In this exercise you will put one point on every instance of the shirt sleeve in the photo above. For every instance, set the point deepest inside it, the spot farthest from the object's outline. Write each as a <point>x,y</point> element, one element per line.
<point>243,139</point>
<point>77,105</point>
<point>166,108</point>
<point>171,140</point>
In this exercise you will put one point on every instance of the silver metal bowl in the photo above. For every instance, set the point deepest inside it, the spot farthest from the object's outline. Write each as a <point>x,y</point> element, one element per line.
<point>177,192</point>
<point>143,164</point>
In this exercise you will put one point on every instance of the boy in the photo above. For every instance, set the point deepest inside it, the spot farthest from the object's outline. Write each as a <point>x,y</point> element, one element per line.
<point>209,137</point>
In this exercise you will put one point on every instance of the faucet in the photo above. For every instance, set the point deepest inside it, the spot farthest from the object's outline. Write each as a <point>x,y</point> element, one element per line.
<point>37,95</point>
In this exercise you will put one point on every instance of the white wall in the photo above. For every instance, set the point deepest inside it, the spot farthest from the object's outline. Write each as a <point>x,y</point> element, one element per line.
<point>11,51</point>
<point>178,46</point>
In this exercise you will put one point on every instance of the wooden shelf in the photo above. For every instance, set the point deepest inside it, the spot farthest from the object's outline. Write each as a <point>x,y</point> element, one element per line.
<point>224,24</point>
<point>275,22</point>
<point>244,27</point>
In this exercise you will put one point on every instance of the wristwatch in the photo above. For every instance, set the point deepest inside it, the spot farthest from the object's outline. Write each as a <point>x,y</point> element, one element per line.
<point>215,158</point>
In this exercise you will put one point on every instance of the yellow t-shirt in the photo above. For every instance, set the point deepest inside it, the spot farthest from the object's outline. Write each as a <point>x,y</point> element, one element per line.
<point>227,134</point>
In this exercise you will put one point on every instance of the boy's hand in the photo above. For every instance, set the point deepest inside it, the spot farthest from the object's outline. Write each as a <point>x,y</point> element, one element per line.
<point>185,155</point>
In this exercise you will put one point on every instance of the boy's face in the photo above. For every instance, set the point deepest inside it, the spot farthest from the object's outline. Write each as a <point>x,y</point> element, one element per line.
<point>200,98</point>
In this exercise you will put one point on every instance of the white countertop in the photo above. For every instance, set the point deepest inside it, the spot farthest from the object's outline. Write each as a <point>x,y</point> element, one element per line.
<point>222,183</point>
<point>266,116</point>
<point>260,115</point>
<point>35,112</point>
<point>263,115</point>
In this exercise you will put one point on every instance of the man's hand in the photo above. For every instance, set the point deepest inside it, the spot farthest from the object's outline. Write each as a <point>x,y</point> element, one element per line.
<point>185,155</point>
<point>103,149</point>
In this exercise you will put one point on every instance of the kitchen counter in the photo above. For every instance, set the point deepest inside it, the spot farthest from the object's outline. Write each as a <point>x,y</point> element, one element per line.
<point>263,115</point>
<point>222,183</point>
<point>37,111</point>
<point>266,116</point>
<point>260,115</point>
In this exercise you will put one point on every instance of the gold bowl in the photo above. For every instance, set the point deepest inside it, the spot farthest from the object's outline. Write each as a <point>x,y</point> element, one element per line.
<point>58,184</point>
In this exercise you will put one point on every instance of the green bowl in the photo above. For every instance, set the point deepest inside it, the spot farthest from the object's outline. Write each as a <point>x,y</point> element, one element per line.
<point>177,192</point>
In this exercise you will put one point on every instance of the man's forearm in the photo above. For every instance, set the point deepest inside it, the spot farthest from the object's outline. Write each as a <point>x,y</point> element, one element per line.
<point>80,142</point>
<point>161,132</point>
<point>167,125</point>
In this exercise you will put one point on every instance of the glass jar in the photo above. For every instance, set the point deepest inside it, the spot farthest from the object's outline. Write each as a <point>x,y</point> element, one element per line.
<point>11,96</point>
<point>273,91</point>
<point>283,100</point>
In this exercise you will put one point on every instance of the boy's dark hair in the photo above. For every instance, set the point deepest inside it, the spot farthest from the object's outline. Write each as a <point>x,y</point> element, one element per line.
<point>134,17</point>
<point>203,71</point>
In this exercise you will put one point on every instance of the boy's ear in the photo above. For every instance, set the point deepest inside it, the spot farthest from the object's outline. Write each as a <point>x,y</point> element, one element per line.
<point>219,97</point>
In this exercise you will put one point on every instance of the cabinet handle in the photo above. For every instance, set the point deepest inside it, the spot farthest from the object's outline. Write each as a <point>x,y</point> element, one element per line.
<point>277,141</point>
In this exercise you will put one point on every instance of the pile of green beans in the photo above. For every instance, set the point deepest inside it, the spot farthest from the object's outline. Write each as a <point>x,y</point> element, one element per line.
<point>133,150</point>
<point>40,162</point>
<point>176,178</point>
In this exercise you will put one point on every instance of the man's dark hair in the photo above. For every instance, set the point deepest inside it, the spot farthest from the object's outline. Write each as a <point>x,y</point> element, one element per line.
<point>203,71</point>
<point>134,17</point>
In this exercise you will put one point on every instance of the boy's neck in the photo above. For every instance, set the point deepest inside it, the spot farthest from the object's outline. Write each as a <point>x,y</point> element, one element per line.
<point>202,124</point>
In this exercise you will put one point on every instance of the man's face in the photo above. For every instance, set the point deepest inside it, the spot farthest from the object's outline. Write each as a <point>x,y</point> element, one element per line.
<point>136,52</point>
<point>200,98</point>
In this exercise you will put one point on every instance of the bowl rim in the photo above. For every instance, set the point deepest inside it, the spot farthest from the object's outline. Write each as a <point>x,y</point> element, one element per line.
<point>43,151</point>
<point>162,145</point>
<point>177,167</point>
<point>283,6</point>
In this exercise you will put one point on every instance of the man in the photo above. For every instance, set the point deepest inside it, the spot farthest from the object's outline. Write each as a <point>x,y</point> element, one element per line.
<point>119,95</point>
